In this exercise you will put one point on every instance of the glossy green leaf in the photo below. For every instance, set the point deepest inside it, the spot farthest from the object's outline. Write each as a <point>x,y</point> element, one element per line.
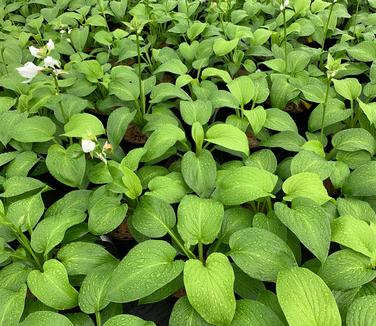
<point>50,231</point>
<point>222,47</point>
<point>52,286</point>
<point>15,186</point>
<point>210,288</point>
<point>11,306</point>
<point>346,269</point>
<point>305,184</point>
<point>127,320</point>
<point>305,299</point>
<point>199,110</point>
<point>66,165</point>
<point>183,314</point>
<point>361,181</point>
<point>242,88</point>
<point>349,88</point>
<point>362,312</point>
<point>83,125</point>
<point>46,318</point>
<point>153,261</point>
<point>79,258</point>
<point>244,184</point>
<point>117,124</point>
<point>309,222</point>
<point>199,220</point>
<point>153,217</point>
<point>354,139</point>
<point>260,253</point>
<point>34,129</point>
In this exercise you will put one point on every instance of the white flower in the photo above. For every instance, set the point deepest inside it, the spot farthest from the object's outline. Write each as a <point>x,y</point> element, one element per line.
<point>50,45</point>
<point>50,62</point>
<point>29,71</point>
<point>35,52</point>
<point>284,4</point>
<point>87,145</point>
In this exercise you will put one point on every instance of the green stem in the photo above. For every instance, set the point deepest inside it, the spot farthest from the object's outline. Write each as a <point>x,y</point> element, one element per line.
<point>325,32</point>
<point>285,36</point>
<point>201,252</point>
<point>269,203</point>
<point>142,96</point>
<point>217,244</point>
<point>186,251</point>
<point>324,110</point>
<point>98,318</point>
<point>26,244</point>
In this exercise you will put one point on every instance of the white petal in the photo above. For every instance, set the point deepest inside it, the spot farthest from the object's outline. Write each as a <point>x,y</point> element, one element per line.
<point>29,71</point>
<point>87,145</point>
<point>50,45</point>
<point>51,62</point>
<point>35,52</point>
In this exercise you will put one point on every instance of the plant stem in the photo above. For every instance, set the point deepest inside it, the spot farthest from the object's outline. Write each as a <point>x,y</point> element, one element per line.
<point>217,244</point>
<point>201,252</point>
<point>142,96</point>
<point>325,32</point>
<point>324,110</point>
<point>186,251</point>
<point>26,244</point>
<point>285,36</point>
<point>269,203</point>
<point>98,318</point>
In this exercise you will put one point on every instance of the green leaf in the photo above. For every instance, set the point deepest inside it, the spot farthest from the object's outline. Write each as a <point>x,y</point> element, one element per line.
<point>199,172</point>
<point>210,288</point>
<point>256,118</point>
<point>279,120</point>
<point>50,231</point>
<point>161,140</point>
<point>117,125</point>
<point>183,314</point>
<point>199,110</point>
<point>362,312</point>
<point>22,164</point>
<point>170,188</point>
<point>305,299</point>
<point>215,72</point>
<point>309,222</point>
<point>222,47</point>
<point>244,184</point>
<point>106,215</point>
<point>79,258</point>
<point>199,220</point>
<point>305,184</point>
<point>26,212</point>
<point>242,88</point>
<point>166,91</point>
<point>260,253</point>
<point>11,306</point>
<point>228,136</point>
<point>15,186</point>
<point>369,109</point>
<point>195,30</point>
<point>127,320</point>
<point>91,69</point>
<point>346,269</point>
<point>93,291</point>
<point>66,165</point>
<point>83,125</point>
<point>153,217</point>
<point>355,234</point>
<point>34,130</point>
<point>52,286</point>
<point>356,208</point>
<point>364,51</point>
<point>361,181</point>
<point>46,318</point>
<point>250,312</point>
<point>124,83</point>
<point>73,200</point>
<point>308,161</point>
<point>349,88</point>
<point>234,219</point>
<point>288,140</point>
<point>174,66</point>
<point>263,159</point>
<point>150,263</point>
<point>354,139</point>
